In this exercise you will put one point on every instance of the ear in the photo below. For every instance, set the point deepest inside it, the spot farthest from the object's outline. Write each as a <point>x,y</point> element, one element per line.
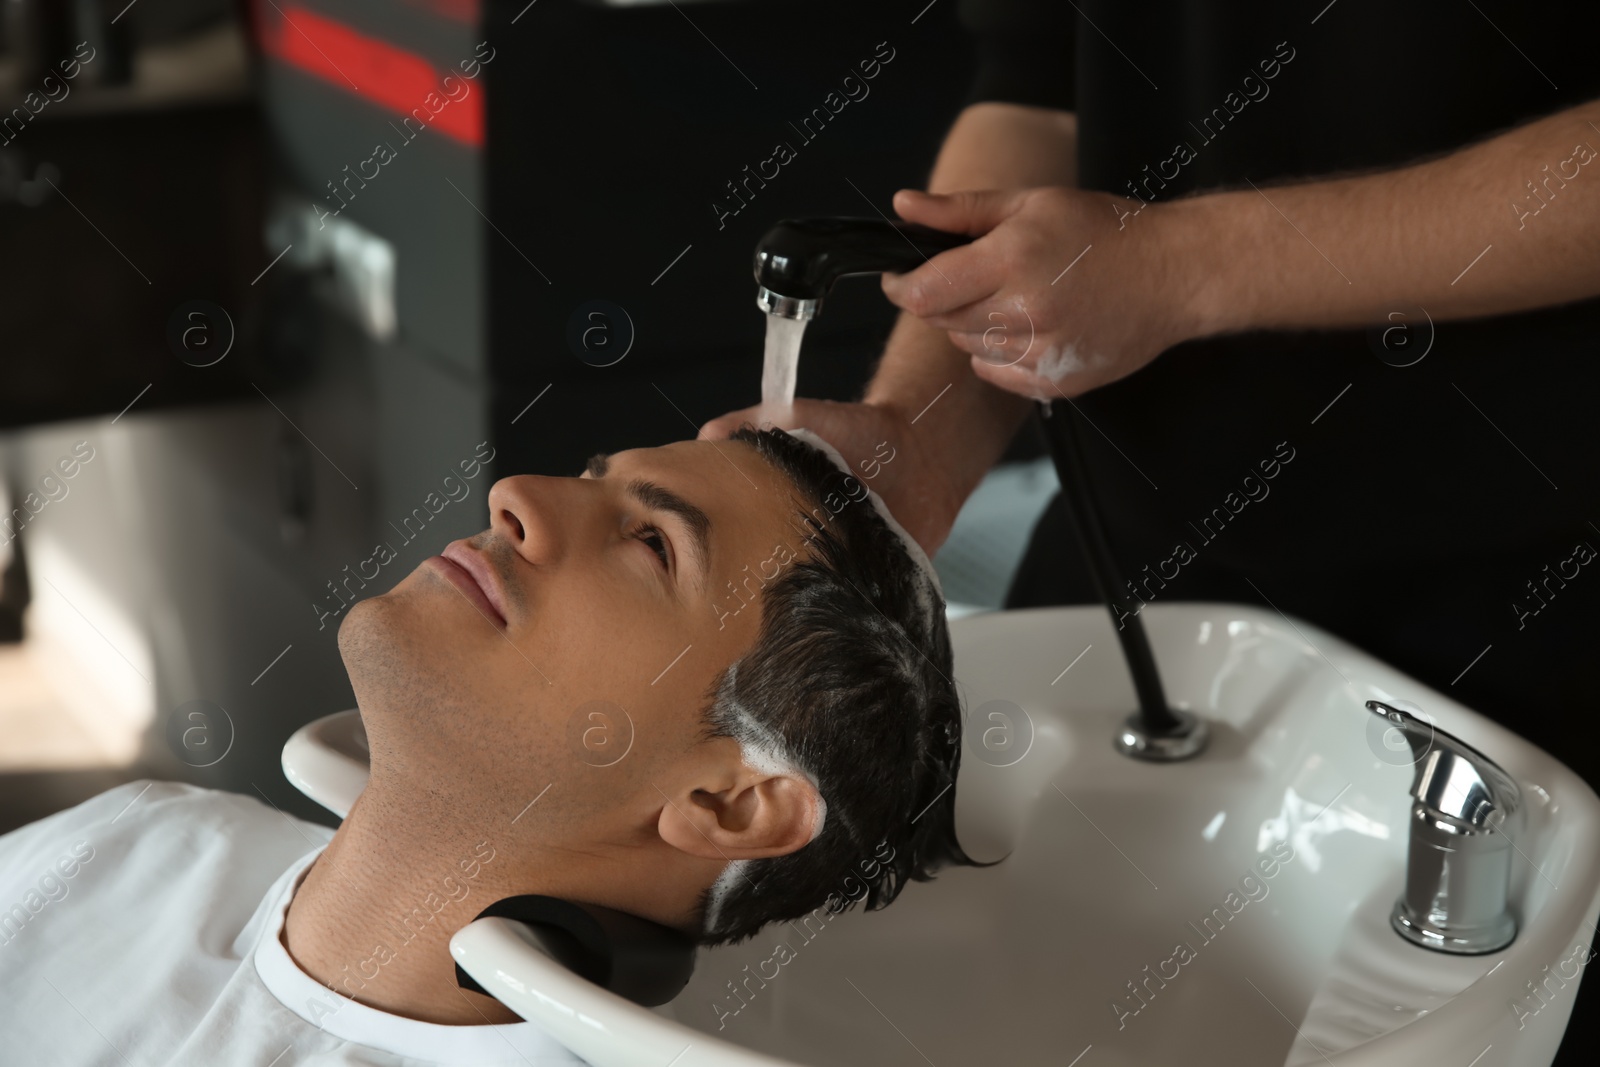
<point>741,812</point>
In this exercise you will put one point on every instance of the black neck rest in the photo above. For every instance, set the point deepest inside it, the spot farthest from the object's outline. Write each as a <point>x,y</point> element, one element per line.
<point>634,958</point>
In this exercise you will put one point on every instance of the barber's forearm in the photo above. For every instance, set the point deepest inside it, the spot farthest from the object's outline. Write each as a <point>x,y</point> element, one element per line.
<point>1462,235</point>
<point>990,146</point>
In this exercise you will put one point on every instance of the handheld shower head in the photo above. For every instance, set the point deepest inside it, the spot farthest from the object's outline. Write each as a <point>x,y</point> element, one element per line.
<point>798,260</point>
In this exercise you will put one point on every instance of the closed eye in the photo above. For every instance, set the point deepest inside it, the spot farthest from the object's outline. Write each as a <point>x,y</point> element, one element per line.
<point>652,536</point>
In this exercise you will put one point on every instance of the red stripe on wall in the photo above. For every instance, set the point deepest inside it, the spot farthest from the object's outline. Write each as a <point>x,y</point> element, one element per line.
<point>373,69</point>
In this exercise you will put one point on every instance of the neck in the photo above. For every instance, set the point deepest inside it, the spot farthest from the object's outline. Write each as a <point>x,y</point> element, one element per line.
<point>374,916</point>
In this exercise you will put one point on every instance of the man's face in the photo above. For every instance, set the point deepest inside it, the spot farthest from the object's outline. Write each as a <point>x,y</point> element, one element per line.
<point>585,662</point>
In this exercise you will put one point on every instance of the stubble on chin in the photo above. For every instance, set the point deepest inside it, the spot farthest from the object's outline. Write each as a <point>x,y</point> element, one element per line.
<point>385,655</point>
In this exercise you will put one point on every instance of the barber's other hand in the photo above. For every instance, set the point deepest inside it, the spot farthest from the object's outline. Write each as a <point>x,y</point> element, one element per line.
<point>1032,329</point>
<point>882,447</point>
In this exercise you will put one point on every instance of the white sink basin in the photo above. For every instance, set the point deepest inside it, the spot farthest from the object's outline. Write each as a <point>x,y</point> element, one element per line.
<point>1112,860</point>
<point>1111,864</point>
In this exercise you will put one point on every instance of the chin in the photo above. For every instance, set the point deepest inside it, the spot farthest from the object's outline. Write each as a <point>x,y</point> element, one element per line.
<point>362,645</point>
<point>408,662</point>
<point>361,630</point>
<point>389,655</point>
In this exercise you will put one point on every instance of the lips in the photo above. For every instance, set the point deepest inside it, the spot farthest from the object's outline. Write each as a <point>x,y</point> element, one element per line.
<point>471,574</point>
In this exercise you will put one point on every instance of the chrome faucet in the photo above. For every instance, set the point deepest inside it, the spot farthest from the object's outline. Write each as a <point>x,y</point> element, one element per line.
<point>1458,872</point>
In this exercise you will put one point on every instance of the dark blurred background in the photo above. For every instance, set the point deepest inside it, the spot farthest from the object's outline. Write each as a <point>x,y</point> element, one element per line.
<point>275,268</point>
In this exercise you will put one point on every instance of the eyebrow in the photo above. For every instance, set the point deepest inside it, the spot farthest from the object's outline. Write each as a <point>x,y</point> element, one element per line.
<point>659,498</point>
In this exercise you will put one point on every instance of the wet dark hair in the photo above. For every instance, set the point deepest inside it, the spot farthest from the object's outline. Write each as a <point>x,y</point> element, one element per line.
<point>849,680</point>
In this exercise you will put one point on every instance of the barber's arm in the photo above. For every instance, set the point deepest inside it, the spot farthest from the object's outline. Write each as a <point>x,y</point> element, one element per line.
<point>1462,235</point>
<point>945,426</point>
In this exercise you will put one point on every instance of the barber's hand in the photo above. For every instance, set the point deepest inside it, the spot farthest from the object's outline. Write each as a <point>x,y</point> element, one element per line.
<point>884,450</point>
<point>1032,329</point>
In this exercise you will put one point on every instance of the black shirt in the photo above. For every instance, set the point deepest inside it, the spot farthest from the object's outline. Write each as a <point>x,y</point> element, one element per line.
<point>1486,445</point>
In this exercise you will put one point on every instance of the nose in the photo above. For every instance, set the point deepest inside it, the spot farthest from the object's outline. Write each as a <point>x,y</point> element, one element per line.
<point>539,515</point>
